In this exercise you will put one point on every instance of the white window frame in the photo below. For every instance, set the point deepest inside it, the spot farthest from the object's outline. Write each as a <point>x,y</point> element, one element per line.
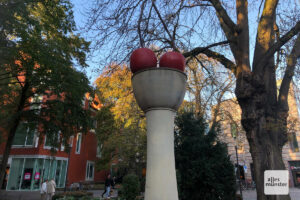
<point>39,100</point>
<point>98,152</point>
<point>71,140</point>
<point>26,138</point>
<point>94,126</point>
<point>33,140</point>
<point>88,163</point>
<point>78,143</point>
<point>36,141</point>
<point>62,145</point>
<point>49,147</point>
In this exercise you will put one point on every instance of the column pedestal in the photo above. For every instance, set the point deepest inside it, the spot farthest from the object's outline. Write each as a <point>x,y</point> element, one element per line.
<point>161,175</point>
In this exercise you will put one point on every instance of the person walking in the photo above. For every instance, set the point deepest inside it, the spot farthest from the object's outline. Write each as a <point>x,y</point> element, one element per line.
<point>108,185</point>
<point>44,190</point>
<point>51,189</point>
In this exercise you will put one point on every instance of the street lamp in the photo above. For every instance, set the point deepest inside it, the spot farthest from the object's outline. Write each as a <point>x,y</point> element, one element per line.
<point>238,167</point>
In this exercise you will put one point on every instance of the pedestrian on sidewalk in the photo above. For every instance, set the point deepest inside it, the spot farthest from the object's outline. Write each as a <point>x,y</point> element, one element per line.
<point>108,185</point>
<point>51,189</point>
<point>44,190</point>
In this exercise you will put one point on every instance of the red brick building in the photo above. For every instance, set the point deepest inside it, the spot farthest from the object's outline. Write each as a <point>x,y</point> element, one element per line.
<point>31,160</point>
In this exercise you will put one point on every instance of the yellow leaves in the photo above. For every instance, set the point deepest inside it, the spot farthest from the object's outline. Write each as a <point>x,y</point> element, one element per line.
<point>114,87</point>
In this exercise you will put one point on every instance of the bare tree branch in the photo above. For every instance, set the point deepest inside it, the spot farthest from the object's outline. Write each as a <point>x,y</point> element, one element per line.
<point>264,38</point>
<point>177,21</point>
<point>199,50</point>
<point>288,75</point>
<point>142,42</point>
<point>165,26</point>
<point>228,26</point>
<point>217,56</point>
<point>258,13</point>
<point>283,40</point>
<point>218,105</point>
<point>8,77</point>
<point>241,49</point>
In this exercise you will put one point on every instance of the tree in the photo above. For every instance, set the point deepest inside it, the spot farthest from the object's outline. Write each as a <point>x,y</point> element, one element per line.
<point>199,27</point>
<point>121,130</point>
<point>38,50</point>
<point>208,84</point>
<point>199,158</point>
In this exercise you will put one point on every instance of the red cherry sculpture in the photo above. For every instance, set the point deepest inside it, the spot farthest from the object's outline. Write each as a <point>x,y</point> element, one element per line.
<point>142,58</point>
<point>172,60</point>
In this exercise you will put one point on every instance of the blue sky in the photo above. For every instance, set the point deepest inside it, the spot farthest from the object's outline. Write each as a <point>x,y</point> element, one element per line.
<point>80,6</point>
<point>94,69</point>
<point>80,11</point>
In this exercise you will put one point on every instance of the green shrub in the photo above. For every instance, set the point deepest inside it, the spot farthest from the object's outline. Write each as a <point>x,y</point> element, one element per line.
<point>204,170</point>
<point>57,196</point>
<point>130,187</point>
<point>239,197</point>
<point>82,198</point>
<point>82,195</point>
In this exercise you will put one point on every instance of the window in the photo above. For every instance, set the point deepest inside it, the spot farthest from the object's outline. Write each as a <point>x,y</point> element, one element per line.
<point>62,145</point>
<point>55,140</point>
<point>71,141</point>
<point>78,143</point>
<point>233,130</point>
<point>89,171</point>
<point>94,125</point>
<point>99,147</point>
<point>36,103</point>
<point>27,173</point>
<point>25,134</point>
<point>292,138</point>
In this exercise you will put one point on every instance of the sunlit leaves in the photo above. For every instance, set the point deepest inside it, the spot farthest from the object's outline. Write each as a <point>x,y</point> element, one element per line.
<point>121,128</point>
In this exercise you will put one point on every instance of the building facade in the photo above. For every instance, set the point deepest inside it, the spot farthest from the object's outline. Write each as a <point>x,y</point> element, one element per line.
<point>32,160</point>
<point>234,136</point>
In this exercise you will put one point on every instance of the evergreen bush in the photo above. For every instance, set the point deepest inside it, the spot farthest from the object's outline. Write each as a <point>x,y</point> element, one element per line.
<point>130,187</point>
<point>204,170</point>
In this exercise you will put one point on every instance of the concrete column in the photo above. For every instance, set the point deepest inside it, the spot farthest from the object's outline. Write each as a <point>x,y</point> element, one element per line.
<point>161,175</point>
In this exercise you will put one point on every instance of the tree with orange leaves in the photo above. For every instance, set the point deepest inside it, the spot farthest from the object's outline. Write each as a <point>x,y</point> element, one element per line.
<point>38,80</point>
<point>121,130</point>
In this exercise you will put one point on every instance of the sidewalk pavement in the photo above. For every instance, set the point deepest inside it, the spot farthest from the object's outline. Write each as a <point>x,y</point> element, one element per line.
<point>251,194</point>
<point>35,195</point>
<point>29,195</point>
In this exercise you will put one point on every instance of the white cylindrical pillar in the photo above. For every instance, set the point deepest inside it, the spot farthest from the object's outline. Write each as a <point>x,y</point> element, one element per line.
<point>161,175</point>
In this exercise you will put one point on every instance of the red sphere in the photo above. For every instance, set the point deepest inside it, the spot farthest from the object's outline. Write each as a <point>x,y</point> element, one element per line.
<point>142,58</point>
<point>172,60</point>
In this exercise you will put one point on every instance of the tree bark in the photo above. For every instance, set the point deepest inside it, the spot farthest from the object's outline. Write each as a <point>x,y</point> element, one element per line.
<point>265,123</point>
<point>266,151</point>
<point>12,132</point>
<point>264,114</point>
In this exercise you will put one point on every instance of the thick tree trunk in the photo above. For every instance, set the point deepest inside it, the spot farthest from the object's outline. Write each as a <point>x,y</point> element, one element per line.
<point>266,155</point>
<point>265,124</point>
<point>11,132</point>
<point>7,149</point>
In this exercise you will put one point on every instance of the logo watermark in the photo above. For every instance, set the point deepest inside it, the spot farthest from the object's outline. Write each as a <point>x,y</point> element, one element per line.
<point>276,182</point>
